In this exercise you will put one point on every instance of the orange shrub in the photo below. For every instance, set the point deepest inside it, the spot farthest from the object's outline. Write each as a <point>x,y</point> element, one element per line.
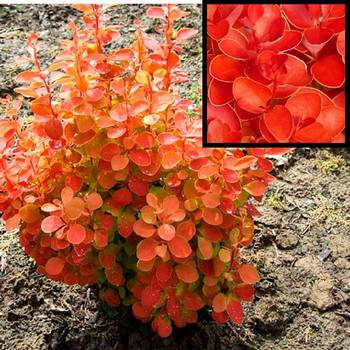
<point>109,184</point>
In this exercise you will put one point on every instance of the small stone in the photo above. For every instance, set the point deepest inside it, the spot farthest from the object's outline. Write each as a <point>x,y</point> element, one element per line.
<point>287,240</point>
<point>13,316</point>
<point>288,257</point>
<point>273,314</point>
<point>321,294</point>
<point>324,254</point>
<point>342,263</point>
<point>308,263</point>
<point>340,245</point>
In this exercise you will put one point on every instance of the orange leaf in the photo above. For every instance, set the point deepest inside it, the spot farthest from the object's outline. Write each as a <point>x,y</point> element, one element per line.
<point>185,34</point>
<point>148,215</point>
<point>225,255</point>
<point>51,224</point>
<point>119,112</point>
<point>179,247</point>
<point>94,201</point>
<point>211,200</point>
<point>74,208</point>
<point>255,188</point>
<point>161,100</point>
<point>186,229</point>
<point>116,133</point>
<point>67,194</point>
<point>28,77</point>
<point>248,274</point>
<point>171,159</point>
<point>212,216</point>
<point>219,303</point>
<point>122,55</point>
<point>170,204</point>
<point>144,230</point>
<point>119,162</point>
<point>76,234</point>
<point>186,273</point>
<point>166,232</point>
<point>29,213</point>
<point>146,249</point>
<point>205,247</point>
<point>12,222</point>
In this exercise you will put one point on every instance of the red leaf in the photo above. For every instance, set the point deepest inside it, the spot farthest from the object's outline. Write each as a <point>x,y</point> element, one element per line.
<point>235,311</point>
<point>146,249</point>
<point>329,71</point>
<point>140,157</point>
<point>186,273</point>
<point>185,34</point>
<point>280,123</point>
<point>225,68</point>
<point>94,201</point>
<point>54,129</point>
<point>76,234</point>
<point>150,297</point>
<point>304,105</point>
<point>54,266</point>
<point>233,48</point>
<point>164,272</point>
<point>218,30</point>
<point>314,132</point>
<point>219,93</point>
<point>332,118</point>
<point>186,229</point>
<point>122,55</point>
<point>51,224</point>
<point>155,12</point>
<point>251,95</point>
<point>212,216</point>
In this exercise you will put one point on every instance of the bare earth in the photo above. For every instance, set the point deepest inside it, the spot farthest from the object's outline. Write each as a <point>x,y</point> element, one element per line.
<point>301,248</point>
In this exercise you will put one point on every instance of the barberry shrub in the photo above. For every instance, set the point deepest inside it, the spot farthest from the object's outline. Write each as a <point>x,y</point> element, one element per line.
<point>109,184</point>
<point>276,73</point>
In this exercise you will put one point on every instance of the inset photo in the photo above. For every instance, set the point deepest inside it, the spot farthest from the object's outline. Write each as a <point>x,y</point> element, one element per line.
<point>275,74</point>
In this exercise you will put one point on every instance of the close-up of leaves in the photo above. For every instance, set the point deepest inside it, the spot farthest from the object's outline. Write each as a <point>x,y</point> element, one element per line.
<point>275,73</point>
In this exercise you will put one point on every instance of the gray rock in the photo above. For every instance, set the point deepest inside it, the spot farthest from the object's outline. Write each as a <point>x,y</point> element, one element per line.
<point>287,240</point>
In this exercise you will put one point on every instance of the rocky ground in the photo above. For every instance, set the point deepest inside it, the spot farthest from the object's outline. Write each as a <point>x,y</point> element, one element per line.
<point>301,247</point>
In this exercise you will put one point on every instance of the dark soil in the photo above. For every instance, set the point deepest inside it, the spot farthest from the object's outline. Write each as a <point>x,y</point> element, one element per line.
<point>301,247</point>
